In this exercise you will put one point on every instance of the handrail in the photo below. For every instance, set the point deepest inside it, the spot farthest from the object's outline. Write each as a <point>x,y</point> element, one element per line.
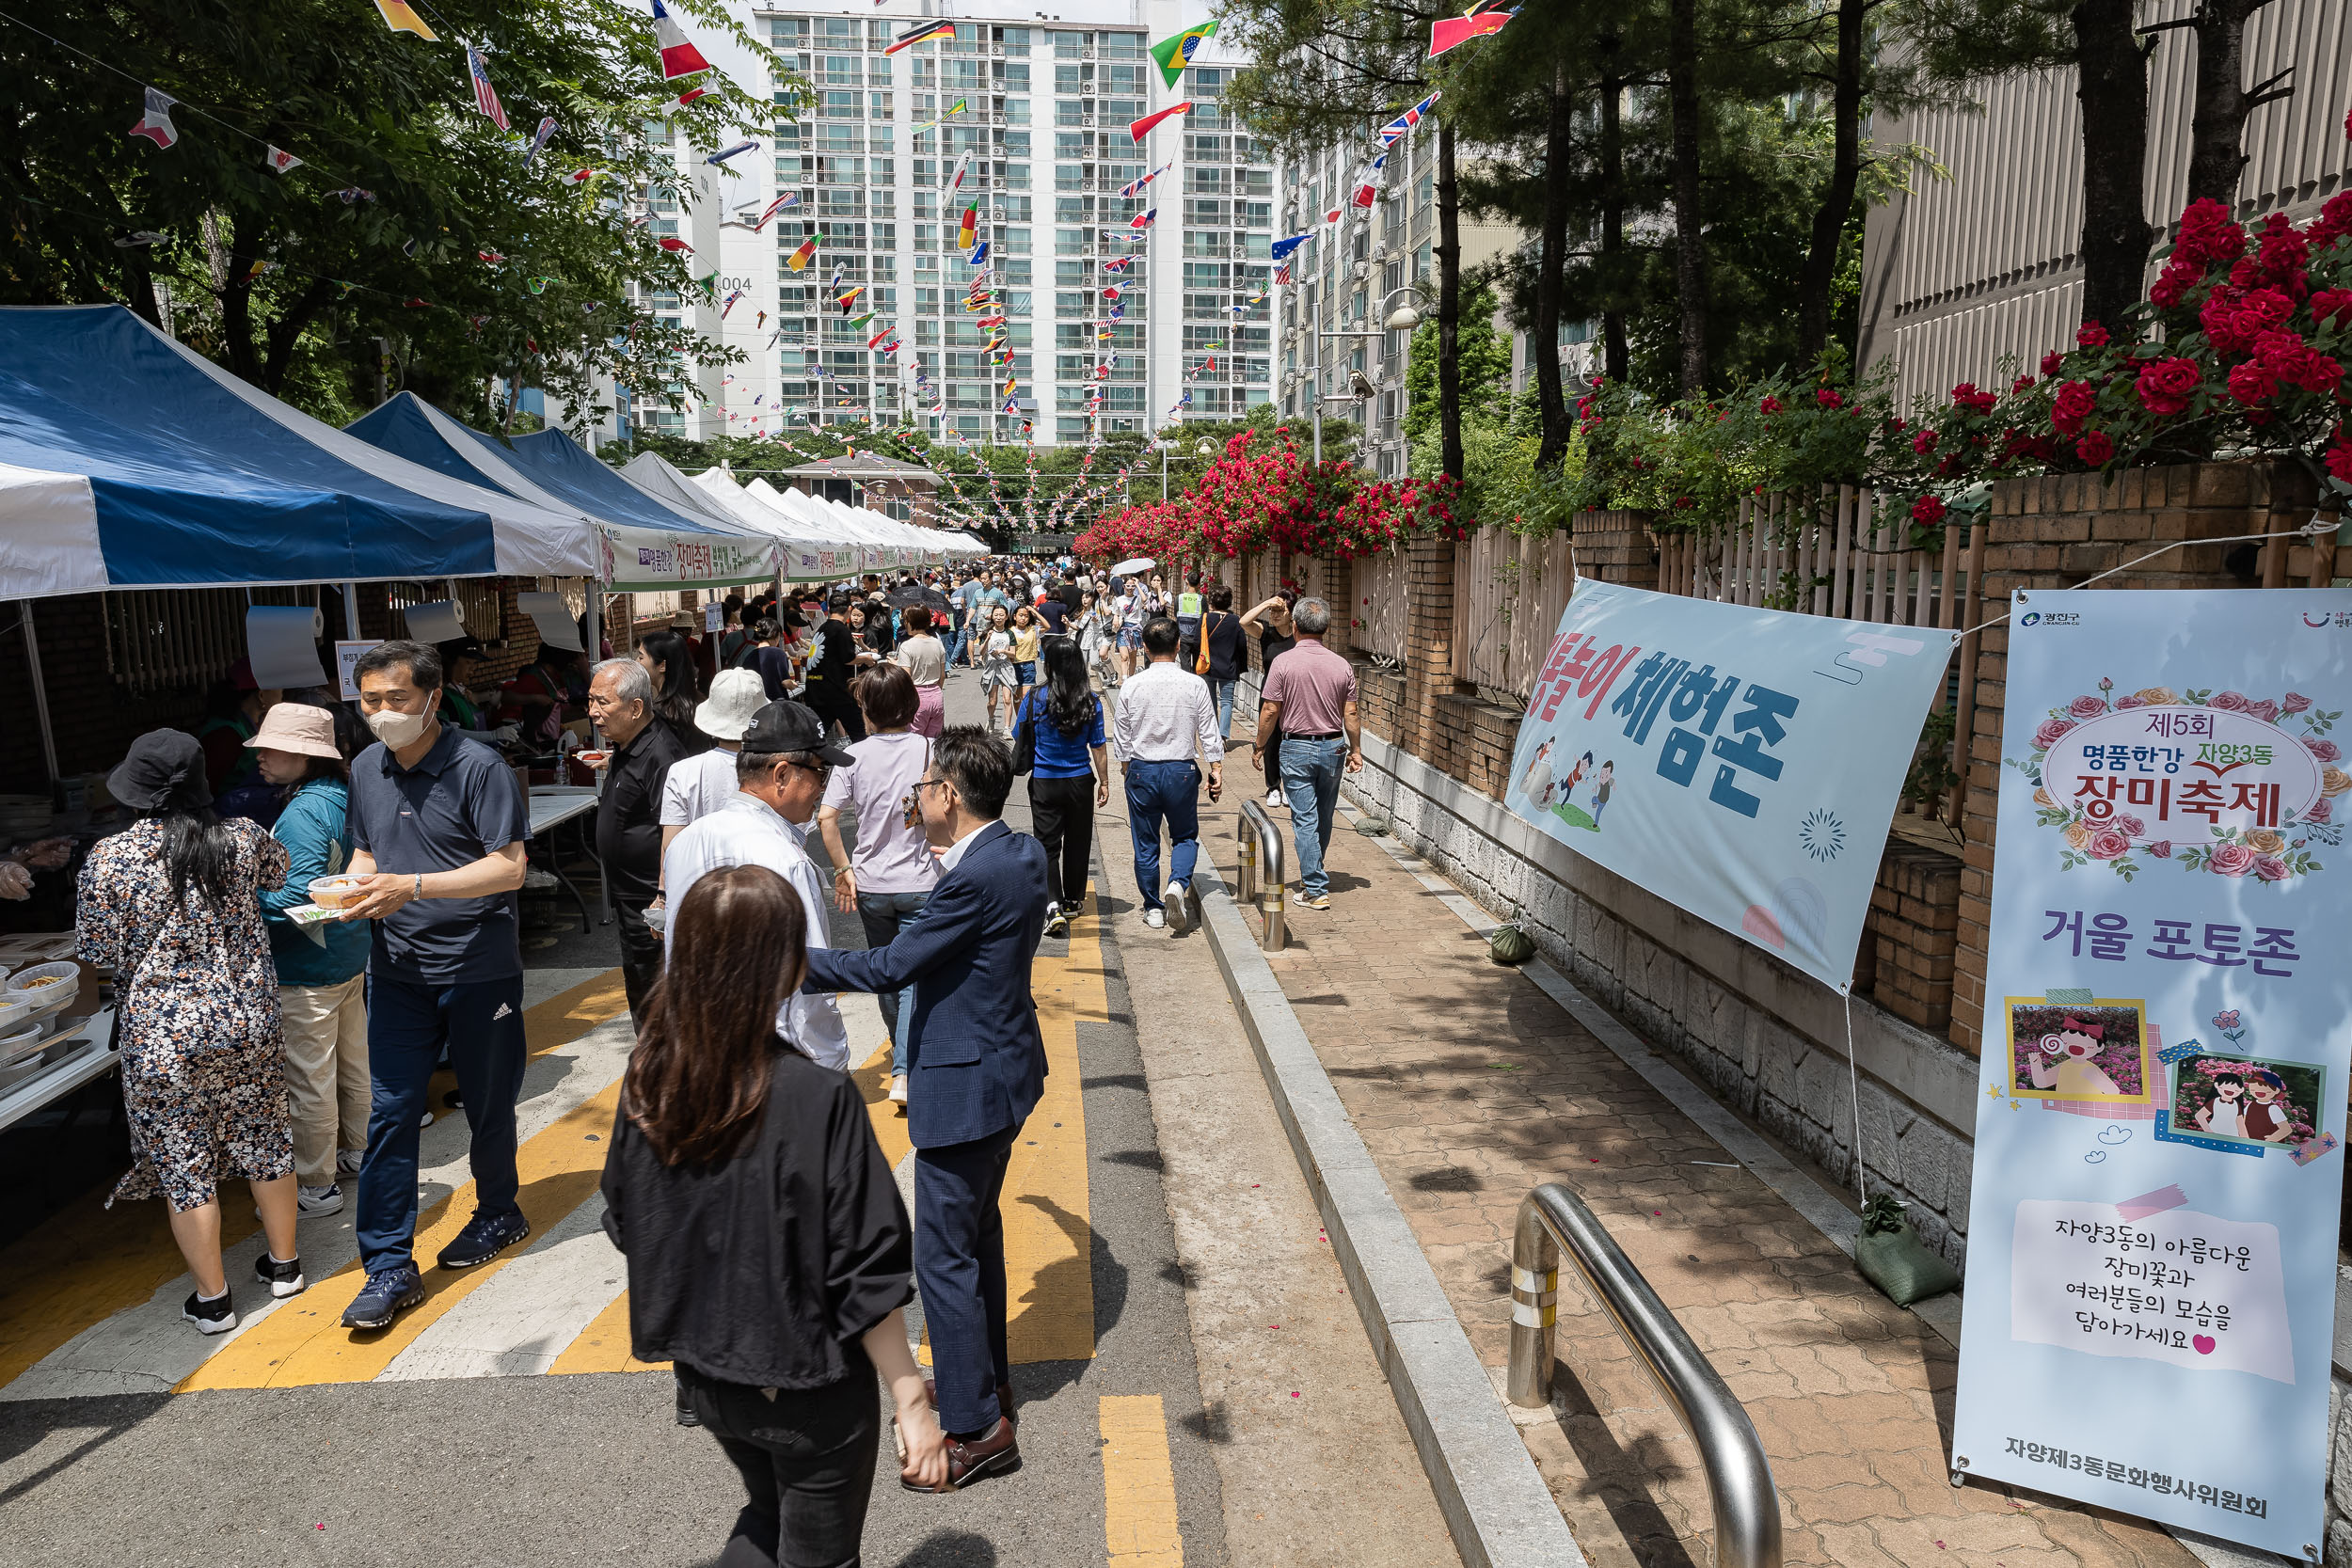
<point>1260,878</point>
<point>1553,1220</point>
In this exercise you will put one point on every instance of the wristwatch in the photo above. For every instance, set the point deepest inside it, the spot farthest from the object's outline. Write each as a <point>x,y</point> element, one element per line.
<point>420,888</point>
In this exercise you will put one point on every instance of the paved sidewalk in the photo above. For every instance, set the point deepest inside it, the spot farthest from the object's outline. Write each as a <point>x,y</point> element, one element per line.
<point>1470,1087</point>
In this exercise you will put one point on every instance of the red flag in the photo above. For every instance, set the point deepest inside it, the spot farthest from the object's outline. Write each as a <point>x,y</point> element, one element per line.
<point>671,242</point>
<point>1142,128</point>
<point>1449,31</point>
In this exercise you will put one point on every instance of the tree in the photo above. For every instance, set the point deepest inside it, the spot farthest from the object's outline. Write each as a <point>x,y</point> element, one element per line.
<point>2216,135</point>
<point>1326,69</point>
<point>410,217</point>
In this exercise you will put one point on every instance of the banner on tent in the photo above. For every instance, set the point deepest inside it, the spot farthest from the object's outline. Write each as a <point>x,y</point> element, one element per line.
<point>1741,764</point>
<point>641,559</point>
<point>2152,1273</point>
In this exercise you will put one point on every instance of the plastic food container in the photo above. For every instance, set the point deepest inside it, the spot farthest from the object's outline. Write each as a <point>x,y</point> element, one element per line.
<point>333,893</point>
<point>14,1015</point>
<point>44,988</point>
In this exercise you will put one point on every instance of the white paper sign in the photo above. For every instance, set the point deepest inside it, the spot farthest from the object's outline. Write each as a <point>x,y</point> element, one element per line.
<point>2182,1288</point>
<point>346,656</point>
<point>714,616</point>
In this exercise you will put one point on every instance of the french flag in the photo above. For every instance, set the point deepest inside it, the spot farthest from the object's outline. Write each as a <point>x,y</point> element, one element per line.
<point>680,57</point>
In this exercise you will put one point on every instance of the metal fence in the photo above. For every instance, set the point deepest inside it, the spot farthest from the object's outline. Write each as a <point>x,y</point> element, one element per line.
<point>1376,607</point>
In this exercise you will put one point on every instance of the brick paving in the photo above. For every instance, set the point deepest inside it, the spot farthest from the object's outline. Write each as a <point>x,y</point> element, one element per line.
<point>1471,1086</point>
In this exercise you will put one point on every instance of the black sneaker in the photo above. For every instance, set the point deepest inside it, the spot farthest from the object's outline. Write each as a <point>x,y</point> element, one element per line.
<point>388,1293</point>
<point>282,1276</point>
<point>485,1237</point>
<point>211,1317</point>
<point>686,1413</point>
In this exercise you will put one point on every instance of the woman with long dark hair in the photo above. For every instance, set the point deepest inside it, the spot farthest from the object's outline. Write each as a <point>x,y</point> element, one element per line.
<point>171,904</point>
<point>671,663</point>
<point>321,967</point>
<point>1070,780</point>
<point>770,1258</point>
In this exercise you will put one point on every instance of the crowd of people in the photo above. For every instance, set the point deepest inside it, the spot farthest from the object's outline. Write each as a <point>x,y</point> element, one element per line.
<point>315,908</point>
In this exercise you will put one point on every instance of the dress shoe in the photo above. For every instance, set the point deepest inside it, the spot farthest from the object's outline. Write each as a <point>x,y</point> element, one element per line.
<point>968,1460</point>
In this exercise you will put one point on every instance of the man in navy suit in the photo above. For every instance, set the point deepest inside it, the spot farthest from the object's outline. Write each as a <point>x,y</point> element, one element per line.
<point>975,1067</point>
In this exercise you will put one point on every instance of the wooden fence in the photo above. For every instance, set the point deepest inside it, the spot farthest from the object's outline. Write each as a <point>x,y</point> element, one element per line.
<point>1509,591</point>
<point>1846,553</point>
<point>1376,607</point>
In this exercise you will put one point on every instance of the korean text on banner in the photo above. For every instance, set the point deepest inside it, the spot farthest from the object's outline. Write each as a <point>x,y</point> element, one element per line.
<point>2167,1022</point>
<point>1741,764</point>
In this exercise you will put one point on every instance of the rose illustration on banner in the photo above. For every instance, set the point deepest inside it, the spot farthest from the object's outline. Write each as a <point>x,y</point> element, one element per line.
<point>2124,777</point>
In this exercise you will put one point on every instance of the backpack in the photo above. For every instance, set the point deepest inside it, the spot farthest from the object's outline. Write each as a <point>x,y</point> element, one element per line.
<point>1024,737</point>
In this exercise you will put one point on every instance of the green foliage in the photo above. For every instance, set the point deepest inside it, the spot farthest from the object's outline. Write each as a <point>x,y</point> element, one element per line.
<point>1486,369</point>
<point>288,286</point>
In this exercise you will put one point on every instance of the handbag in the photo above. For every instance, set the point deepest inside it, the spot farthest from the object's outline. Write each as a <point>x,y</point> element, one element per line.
<point>1024,738</point>
<point>1200,665</point>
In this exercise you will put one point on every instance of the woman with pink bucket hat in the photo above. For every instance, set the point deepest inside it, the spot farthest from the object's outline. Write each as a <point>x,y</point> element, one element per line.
<point>321,967</point>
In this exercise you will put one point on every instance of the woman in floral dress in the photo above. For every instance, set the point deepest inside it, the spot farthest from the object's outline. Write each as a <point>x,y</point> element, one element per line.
<point>170,903</point>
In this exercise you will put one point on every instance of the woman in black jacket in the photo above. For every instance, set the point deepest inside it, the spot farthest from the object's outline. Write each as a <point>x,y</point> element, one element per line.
<point>770,1257</point>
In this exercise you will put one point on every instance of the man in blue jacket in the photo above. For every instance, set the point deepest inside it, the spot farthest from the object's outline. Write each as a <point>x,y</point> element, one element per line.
<point>975,1067</point>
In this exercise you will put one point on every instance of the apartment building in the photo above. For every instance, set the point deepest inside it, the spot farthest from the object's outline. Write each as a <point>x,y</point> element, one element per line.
<point>1981,261</point>
<point>1041,105</point>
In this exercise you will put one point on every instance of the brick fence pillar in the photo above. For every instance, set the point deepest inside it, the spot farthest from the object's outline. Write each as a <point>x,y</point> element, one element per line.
<point>1429,643</point>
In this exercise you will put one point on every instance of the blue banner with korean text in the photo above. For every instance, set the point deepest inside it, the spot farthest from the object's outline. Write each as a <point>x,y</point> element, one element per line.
<point>2167,1023</point>
<point>1741,764</point>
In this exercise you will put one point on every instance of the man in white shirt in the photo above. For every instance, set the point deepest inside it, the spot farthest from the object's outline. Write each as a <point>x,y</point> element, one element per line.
<point>1165,717</point>
<point>698,786</point>
<point>780,773</point>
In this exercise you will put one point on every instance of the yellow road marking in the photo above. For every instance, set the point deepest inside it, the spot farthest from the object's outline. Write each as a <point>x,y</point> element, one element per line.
<point>84,1264</point>
<point>303,1340</point>
<point>603,1345</point>
<point>1049,1233</point>
<point>890,1121</point>
<point>1139,1485</point>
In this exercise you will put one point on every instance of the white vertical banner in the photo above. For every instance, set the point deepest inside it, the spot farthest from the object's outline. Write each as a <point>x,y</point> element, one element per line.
<point>2167,1022</point>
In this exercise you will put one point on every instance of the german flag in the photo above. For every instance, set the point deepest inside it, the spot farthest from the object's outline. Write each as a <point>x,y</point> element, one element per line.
<point>922,32</point>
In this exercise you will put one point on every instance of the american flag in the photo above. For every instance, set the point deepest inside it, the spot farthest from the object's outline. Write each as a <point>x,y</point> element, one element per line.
<point>486,97</point>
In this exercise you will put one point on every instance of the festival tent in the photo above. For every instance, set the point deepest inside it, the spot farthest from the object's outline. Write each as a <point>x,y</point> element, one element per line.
<point>129,460</point>
<point>813,553</point>
<point>873,550</point>
<point>657,477</point>
<point>643,546</point>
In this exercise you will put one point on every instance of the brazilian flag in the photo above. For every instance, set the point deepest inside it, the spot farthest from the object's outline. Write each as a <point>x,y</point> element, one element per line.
<point>1174,53</point>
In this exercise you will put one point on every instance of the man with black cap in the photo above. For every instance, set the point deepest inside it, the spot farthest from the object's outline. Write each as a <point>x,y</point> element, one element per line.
<point>779,780</point>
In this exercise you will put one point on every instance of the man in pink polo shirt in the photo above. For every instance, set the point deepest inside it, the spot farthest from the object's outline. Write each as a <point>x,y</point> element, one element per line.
<point>1311,697</point>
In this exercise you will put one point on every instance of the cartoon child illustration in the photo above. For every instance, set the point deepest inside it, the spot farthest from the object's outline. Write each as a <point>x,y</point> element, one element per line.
<point>2222,1118</point>
<point>2266,1120</point>
<point>1600,786</point>
<point>2067,1065</point>
<point>1568,790</point>
<point>1536,784</point>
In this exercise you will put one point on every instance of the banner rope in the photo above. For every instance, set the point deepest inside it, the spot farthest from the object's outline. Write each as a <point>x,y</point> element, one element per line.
<point>2314,530</point>
<point>1853,1086</point>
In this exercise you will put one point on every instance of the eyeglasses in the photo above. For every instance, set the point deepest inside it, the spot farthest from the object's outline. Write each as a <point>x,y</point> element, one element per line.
<point>822,769</point>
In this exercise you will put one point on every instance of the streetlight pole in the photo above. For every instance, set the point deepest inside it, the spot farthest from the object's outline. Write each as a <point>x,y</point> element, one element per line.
<point>1315,325</point>
<point>1403,320</point>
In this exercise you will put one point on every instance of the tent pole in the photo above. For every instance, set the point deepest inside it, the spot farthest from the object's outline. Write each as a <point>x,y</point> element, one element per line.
<point>40,688</point>
<point>350,611</point>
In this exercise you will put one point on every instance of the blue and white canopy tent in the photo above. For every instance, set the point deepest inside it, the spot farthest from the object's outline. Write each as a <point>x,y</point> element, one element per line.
<point>644,544</point>
<point>127,461</point>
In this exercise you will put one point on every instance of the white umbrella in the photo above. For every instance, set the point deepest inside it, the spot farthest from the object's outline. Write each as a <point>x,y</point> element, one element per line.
<point>1129,568</point>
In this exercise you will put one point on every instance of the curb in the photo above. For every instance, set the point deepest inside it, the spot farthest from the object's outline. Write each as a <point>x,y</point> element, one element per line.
<point>1495,1502</point>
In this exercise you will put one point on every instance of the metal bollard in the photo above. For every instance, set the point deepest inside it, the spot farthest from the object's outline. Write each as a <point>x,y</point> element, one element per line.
<point>1262,852</point>
<point>1246,873</point>
<point>1552,1221</point>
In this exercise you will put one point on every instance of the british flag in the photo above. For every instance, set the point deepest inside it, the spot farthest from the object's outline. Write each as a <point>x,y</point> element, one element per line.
<point>486,97</point>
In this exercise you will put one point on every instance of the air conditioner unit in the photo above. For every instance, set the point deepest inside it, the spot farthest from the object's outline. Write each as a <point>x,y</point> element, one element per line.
<point>1383,255</point>
<point>1362,270</point>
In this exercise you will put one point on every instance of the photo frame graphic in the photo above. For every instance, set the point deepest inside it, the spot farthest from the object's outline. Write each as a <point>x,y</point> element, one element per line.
<point>2224,1101</point>
<point>2099,1051</point>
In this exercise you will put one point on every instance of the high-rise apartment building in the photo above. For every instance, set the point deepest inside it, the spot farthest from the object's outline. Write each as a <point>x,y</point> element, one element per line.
<point>1041,104</point>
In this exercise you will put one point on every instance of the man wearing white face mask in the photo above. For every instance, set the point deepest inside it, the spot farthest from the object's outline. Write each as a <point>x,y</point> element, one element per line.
<point>438,827</point>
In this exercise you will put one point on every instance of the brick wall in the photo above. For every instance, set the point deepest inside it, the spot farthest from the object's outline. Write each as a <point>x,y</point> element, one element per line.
<point>1616,547</point>
<point>2055,532</point>
<point>1911,934</point>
